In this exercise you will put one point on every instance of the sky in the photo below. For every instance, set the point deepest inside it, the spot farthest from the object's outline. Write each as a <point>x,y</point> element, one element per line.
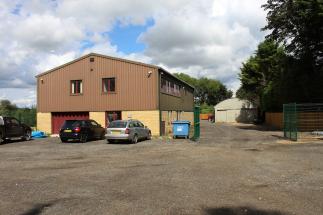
<point>205,38</point>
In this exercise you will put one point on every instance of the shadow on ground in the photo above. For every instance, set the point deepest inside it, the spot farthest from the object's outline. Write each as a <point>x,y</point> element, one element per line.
<point>37,209</point>
<point>240,211</point>
<point>257,127</point>
<point>281,137</point>
<point>15,141</point>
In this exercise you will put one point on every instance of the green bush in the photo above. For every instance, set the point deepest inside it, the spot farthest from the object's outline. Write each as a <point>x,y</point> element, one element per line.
<point>207,109</point>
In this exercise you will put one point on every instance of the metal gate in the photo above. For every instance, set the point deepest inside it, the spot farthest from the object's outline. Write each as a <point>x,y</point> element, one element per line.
<point>290,121</point>
<point>196,123</point>
<point>303,121</point>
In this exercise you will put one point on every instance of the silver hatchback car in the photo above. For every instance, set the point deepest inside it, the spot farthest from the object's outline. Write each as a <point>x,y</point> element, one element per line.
<point>127,130</point>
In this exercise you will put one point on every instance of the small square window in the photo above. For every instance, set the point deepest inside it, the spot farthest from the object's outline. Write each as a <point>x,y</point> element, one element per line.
<point>76,87</point>
<point>108,85</point>
<point>92,59</point>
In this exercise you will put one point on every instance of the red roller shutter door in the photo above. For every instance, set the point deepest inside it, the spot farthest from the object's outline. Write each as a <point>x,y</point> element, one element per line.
<point>59,118</point>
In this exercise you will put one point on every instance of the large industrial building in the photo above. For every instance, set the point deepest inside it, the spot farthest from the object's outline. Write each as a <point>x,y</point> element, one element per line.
<point>105,88</point>
<point>235,110</point>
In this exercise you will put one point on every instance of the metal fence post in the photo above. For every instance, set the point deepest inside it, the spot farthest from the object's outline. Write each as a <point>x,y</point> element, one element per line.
<point>290,121</point>
<point>196,123</point>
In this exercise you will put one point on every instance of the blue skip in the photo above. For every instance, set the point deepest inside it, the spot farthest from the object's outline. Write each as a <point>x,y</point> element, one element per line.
<point>181,128</point>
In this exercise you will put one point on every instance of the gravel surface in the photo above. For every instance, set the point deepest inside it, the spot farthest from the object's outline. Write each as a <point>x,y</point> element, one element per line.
<point>232,170</point>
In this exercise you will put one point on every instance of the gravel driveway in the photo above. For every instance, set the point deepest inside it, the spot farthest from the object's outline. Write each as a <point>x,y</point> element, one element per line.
<point>232,170</point>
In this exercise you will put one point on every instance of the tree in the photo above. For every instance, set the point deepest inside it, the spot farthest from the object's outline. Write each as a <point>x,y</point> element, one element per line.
<point>287,66</point>
<point>251,81</point>
<point>6,108</point>
<point>186,78</point>
<point>26,115</point>
<point>208,91</point>
<point>298,24</point>
<point>261,76</point>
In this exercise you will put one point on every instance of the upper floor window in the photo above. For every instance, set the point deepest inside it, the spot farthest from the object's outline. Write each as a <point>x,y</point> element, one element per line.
<point>170,87</point>
<point>76,87</point>
<point>108,85</point>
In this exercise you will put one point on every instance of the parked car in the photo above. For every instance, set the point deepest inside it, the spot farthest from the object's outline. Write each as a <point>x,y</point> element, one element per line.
<point>82,130</point>
<point>127,130</point>
<point>13,129</point>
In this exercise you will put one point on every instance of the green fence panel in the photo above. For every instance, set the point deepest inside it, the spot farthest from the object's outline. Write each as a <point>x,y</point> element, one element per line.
<point>196,122</point>
<point>290,121</point>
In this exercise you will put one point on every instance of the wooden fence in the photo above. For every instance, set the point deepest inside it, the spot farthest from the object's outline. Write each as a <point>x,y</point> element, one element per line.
<point>275,120</point>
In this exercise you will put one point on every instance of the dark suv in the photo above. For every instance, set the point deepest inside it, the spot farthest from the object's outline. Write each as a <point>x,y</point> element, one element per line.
<point>13,129</point>
<point>82,130</point>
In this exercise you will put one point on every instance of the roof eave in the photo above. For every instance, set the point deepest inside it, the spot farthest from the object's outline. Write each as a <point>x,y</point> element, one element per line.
<point>176,77</point>
<point>97,55</point>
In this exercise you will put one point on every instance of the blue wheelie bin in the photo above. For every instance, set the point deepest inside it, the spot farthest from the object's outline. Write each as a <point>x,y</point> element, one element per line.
<point>181,128</point>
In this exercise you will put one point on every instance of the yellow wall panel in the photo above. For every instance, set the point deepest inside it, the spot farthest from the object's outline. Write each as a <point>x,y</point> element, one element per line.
<point>99,117</point>
<point>44,122</point>
<point>148,118</point>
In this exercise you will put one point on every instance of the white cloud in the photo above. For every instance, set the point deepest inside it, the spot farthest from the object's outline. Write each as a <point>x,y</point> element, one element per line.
<point>20,97</point>
<point>100,15</point>
<point>201,38</point>
<point>53,60</point>
<point>46,32</point>
<point>207,41</point>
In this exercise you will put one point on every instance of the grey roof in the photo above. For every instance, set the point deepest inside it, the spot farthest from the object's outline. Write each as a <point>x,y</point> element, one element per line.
<point>234,104</point>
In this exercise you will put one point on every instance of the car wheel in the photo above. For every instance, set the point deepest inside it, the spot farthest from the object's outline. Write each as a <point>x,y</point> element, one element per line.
<point>149,136</point>
<point>102,137</point>
<point>111,141</point>
<point>64,140</point>
<point>2,140</point>
<point>27,136</point>
<point>83,138</point>
<point>135,139</point>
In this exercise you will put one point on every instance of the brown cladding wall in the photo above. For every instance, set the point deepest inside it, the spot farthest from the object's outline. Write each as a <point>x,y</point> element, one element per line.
<point>184,103</point>
<point>134,89</point>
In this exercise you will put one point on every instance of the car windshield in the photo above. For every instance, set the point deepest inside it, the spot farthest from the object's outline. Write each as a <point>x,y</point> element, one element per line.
<point>71,123</point>
<point>118,124</point>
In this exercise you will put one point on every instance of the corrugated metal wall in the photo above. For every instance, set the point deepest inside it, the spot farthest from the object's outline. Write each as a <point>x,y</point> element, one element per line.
<point>134,89</point>
<point>170,102</point>
<point>183,103</point>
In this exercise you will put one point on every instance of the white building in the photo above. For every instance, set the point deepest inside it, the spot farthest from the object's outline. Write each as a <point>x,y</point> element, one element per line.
<point>235,110</point>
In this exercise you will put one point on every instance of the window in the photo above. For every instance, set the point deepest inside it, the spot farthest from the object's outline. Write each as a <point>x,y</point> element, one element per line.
<point>118,124</point>
<point>177,90</point>
<point>170,87</point>
<point>131,124</point>
<point>14,122</point>
<point>76,87</point>
<point>141,125</point>
<point>94,123</point>
<point>112,116</point>
<point>108,85</point>
<point>164,85</point>
<point>136,124</point>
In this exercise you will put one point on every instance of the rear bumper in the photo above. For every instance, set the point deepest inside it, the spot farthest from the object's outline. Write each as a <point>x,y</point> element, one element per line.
<point>117,137</point>
<point>72,135</point>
